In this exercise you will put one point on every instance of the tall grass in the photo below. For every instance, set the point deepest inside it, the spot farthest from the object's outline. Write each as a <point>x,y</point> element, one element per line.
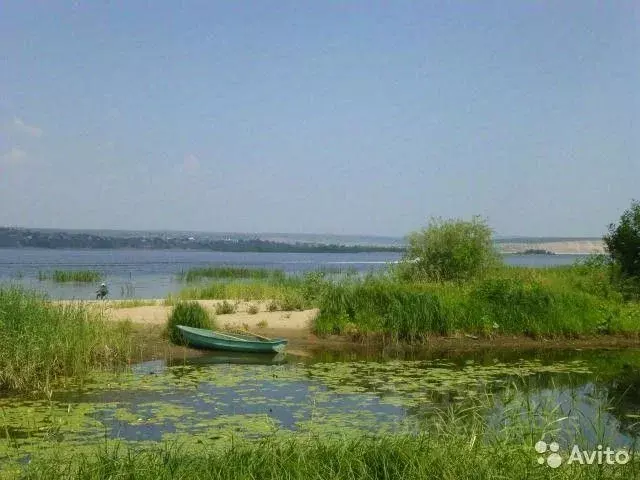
<point>493,439</point>
<point>536,302</point>
<point>196,274</point>
<point>289,293</point>
<point>41,342</point>
<point>67,276</point>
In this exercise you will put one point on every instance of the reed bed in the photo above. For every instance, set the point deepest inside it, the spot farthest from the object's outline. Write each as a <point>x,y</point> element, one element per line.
<point>42,342</point>
<point>71,276</point>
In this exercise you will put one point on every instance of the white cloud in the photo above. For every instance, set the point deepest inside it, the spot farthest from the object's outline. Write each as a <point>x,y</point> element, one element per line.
<point>14,156</point>
<point>21,127</point>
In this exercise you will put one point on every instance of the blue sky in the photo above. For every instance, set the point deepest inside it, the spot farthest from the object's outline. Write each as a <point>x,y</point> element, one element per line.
<point>328,117</point>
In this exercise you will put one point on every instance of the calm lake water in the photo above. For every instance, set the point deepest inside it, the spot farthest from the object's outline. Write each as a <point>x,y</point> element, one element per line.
<point>216,397</point>
<point>153,273</point>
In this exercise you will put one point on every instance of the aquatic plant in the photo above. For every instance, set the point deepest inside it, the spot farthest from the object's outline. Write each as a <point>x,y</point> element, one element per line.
<point>41,342</point>
<point>68,276</point>
<point>456,443</point>
<point>188,314</point>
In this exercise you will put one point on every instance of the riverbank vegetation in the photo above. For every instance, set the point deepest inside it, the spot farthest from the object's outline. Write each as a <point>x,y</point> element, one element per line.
<point>494,437</point>
<point>450,281</point>
<point>188,314</point>
<point>229,272</point>
<point>68,276</point>
<point>42,342</point>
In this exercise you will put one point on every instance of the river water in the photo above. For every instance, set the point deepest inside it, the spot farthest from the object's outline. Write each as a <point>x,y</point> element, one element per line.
<point>220,396</point>
<point>154,273</point>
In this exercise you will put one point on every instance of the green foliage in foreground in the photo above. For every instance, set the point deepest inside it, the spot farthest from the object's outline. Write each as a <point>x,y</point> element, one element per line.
<point>67,276</point>
<point>196,274</point>
<point>443,456</point>
<point>537,302</point>
<point>188,314</point>
<point>41,342</point>
<point>449,250</point>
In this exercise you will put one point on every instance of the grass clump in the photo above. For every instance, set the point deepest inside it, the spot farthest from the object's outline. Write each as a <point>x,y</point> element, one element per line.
<point>69,276</point>
<point>42,342</point>
<point>272,306</point>
<point>253,309</point>
<point>225,308</point>
<point>229,273</point>
<point>188,314</point>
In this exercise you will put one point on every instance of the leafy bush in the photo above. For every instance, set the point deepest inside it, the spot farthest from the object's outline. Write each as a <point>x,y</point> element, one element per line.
<point>449,250</point>
<point>188,314</point>
<point>225,308</point>
<point>623,244</point>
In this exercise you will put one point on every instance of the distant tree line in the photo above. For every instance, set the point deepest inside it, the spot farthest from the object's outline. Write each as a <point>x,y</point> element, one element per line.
<point>20,237</point>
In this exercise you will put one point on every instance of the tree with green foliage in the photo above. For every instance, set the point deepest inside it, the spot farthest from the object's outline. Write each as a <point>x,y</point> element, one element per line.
<point>449,250</point>
<point>623,245</point>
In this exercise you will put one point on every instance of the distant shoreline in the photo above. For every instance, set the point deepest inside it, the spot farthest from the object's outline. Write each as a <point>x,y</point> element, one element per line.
<point>60,239</point>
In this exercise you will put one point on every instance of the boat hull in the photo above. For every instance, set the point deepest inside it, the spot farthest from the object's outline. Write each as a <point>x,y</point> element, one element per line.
<point>210,340</point>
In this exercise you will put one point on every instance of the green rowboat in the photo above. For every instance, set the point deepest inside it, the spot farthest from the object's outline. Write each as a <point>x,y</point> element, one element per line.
<point>236,342</point>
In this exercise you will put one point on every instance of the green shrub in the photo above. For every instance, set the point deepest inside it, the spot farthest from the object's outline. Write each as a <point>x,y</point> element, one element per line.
<point>225,308</point>
<point>272,306</point>
<point>449,250</point>
<point>623,242</point>
<point>188,314</point>
<point>253,309</point>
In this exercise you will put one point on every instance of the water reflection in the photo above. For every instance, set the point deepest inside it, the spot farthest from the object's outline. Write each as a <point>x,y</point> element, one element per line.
<point>225,394</point>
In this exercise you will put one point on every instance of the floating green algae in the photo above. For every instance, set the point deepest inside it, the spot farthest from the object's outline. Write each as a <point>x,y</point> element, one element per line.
<point>199,404</point>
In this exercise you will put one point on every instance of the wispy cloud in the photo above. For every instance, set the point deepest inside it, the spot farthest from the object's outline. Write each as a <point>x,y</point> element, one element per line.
<point>23,128</point>
<point>14,156</point>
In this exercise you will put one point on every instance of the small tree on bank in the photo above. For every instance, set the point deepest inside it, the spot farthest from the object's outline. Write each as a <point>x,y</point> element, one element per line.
<point>449,250</point>
<point>623,245</point>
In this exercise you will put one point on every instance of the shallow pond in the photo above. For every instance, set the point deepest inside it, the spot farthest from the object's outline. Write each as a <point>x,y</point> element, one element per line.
<point>221,396</point>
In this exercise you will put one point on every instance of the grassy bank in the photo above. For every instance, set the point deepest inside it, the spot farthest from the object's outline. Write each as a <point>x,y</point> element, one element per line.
<point>549,302</point>
<point>42,342</point>
<point>538,302</point>
<point>68,276</point>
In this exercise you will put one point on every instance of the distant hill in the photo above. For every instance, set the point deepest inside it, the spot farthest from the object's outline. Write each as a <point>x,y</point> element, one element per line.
<point>264,242</point>
<point>222,242</point>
